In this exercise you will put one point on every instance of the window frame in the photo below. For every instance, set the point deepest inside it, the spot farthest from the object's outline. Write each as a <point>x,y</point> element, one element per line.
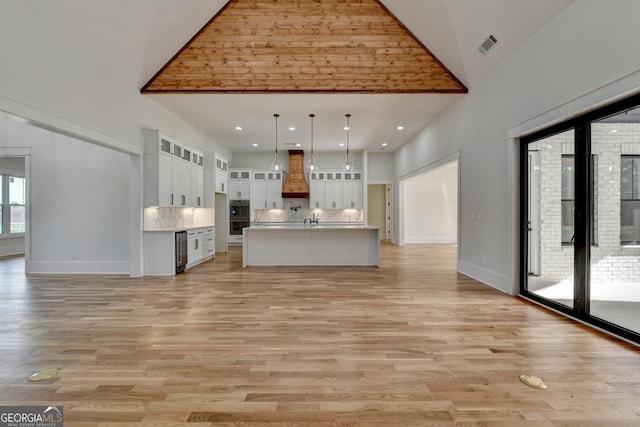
<point>5,205</point>
<point>635,192</point>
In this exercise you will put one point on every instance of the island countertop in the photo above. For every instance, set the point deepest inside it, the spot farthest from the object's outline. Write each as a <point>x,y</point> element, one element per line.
<point>321,226</point>
<point>289,244</point>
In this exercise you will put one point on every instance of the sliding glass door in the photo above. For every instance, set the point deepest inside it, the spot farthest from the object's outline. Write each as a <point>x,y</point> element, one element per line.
<point>615,262</point>
<point>550,231</point>
<point>580,226</point>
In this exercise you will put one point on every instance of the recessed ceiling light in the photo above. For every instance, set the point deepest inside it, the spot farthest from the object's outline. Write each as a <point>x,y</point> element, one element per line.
<point>384,144</point>
<point>613,131</point>
<point>400,127</point>
<point>238,127</point>
<point>341,144</point>
<point>292,128</point>
<point>255,144</point>
<point>346,128</point>
<point>298,144</point>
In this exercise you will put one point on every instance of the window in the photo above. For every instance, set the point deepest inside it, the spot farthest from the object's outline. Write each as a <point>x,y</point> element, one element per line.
<point>630,200</point>
<point>12,204</point>
<point>17,203</point>
<point>2,204</point>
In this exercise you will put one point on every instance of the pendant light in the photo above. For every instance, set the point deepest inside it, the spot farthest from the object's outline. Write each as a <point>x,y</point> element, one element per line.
<point>347,165</point>
<point>275,164</point>
<point>311,163</point>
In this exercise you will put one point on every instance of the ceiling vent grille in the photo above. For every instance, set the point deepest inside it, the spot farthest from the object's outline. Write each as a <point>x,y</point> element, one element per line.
<point>488,44</point>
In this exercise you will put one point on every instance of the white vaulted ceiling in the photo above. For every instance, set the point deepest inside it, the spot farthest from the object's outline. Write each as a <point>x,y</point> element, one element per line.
<point>137,38</point>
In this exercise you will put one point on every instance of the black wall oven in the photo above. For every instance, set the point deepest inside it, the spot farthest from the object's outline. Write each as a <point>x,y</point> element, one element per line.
<point>239,216</point>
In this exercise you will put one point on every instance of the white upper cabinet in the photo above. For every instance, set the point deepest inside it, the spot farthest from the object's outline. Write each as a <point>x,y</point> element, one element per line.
<point>240,184</point>
<point>353,190</point>
<point>317,190</point>
<point>171,176</point>
<point>336,189</point>
<point>222,174</point>
<point>267,190</point>
<point>274,190</point>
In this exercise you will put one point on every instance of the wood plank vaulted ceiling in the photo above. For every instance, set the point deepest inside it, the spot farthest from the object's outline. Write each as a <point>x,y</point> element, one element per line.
<point>304,46</point>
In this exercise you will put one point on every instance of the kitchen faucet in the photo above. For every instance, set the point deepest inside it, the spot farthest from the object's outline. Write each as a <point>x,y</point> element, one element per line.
<point>312,220</point>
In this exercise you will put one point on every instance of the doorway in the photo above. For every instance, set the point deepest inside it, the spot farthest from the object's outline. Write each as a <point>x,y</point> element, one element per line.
<point>580,229</point>
<point>379,208</point>
<point>430,205</point>
<point>13,210</point>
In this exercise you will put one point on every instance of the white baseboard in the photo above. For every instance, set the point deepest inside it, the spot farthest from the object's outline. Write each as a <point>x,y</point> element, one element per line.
<point>488,277</point>
<point>430,239</point>
<point>12,250</point>
<point>78,267</point>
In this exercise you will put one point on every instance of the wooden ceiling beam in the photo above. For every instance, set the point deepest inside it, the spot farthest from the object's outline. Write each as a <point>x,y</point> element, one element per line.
<point>260,46</point>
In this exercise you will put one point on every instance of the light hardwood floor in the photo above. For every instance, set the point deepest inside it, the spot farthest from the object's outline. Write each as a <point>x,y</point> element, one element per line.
<point>412,343</point>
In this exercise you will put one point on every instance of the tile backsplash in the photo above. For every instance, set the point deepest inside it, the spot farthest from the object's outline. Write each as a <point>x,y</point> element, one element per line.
<point>296,210</point>
<point>172,218</point>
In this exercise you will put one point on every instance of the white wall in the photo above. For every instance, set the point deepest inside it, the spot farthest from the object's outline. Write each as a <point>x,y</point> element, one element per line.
<point>45,77</point>
<point>57,85</point>
<point>586,52</point>
<point>431,206</point>
<point>324,160</point>
<point>380,168</point>
<point>78,202</point>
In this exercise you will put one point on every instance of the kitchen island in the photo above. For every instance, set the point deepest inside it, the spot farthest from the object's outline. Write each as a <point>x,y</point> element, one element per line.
<point>309,245</point>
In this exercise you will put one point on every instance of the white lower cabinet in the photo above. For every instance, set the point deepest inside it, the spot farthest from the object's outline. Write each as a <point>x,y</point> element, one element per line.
<point>209,244</point>
<point>195,248</point>
<point>160,249</point>
<point>201,245</point>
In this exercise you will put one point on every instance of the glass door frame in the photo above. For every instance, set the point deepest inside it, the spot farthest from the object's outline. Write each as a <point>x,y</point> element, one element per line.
<point>584,203</point>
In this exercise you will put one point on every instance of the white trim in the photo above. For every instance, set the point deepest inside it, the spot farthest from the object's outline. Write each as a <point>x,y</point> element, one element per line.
<point>136,215</point>
<point>400,237</point>
<point>11,236</point>
<point>26,153</point>
<point>429,240</point>
<point>13,249</point>
<point>433,165</point>
<point>513,175</point>
<point>453,157</point>
<point>79,267</point>
<point>491,278</point>
<point>621,88</point>
<point>23,113</point>
<point>383,182</point>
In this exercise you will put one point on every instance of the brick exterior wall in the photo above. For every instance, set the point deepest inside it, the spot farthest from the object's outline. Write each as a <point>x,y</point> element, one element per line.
<point>610,260</point>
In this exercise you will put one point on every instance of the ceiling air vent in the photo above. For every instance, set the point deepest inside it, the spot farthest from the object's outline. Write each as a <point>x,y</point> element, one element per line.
<point>488,44</point>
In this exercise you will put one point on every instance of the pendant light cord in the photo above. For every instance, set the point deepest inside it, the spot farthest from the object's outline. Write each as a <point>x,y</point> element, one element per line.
<point>348,129</point>
<point>276,116</point>
<point>312,116</point>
